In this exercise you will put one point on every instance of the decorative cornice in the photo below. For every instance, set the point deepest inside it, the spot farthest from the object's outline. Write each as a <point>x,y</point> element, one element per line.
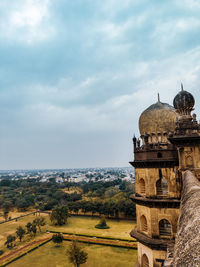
<point>156,202</point>
<point>185,140</point>
<point>155,163</point>
<point>153,243</point>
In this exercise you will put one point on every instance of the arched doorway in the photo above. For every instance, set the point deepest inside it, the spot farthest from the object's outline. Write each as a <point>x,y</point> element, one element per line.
<point>165,228</point>
<point>143,221</point>
<point>145,261</point>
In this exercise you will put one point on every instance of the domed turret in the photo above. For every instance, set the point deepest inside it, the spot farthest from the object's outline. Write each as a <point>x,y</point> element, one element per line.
<point>157,121</point>
<point>184,102</point>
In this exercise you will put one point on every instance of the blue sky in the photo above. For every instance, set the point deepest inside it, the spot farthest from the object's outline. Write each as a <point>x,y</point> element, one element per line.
<point>75,76</point>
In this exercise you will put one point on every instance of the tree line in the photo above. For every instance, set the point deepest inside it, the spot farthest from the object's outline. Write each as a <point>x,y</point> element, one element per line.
<point>109,198</point>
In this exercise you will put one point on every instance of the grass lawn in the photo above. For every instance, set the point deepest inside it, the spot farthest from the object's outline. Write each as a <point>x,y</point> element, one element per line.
<point>10,228</point>
<point>86,225</point>
<point>78,225</point>
<point>98,256</point>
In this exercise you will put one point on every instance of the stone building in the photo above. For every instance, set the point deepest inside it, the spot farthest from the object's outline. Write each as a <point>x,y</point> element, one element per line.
<point>169,144</point>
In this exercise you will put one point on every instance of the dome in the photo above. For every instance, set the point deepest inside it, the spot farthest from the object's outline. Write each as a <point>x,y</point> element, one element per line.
<point>184,101</point>
<point>158,118</point>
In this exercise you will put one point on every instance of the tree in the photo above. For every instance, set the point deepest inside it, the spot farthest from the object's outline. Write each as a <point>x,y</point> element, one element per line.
<point>57,238</point>
<point>76,254</point>
<point>34,229</point>
<point>6,209</point>
<point>5,214</point>
<point>39,221</point>
<point>9,241</point>
<point>22,204</point>
<point>112,191</point>
<point>59,215</point>
<point>29,227</point>
<point>20,232</point>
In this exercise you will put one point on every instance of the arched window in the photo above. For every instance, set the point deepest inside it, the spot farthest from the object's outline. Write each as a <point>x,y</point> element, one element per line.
<point>145,261</point>
<point>142,186</point>
<point>165,228</point>
<point>161,186</point>
<point>143,222</point>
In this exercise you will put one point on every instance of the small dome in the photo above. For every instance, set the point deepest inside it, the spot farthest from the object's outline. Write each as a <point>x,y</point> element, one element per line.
<point>184,101</point>
<point>158,118</point>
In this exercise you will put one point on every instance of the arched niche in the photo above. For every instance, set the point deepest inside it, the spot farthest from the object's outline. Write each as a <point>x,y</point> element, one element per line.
<point>143,221</point>
<point>145,261</point>
<point>142,186</point>
<point>161,186</point>
<point>165,228</point>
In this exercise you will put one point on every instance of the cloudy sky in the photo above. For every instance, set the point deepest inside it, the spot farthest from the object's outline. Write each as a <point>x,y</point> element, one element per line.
<point>75,76</point>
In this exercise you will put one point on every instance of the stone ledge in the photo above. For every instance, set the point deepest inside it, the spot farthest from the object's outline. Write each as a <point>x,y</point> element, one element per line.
<point>153,243</point>
<point>156,202</point>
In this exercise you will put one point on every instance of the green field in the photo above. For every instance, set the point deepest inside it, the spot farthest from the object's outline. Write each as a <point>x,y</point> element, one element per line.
<point>86,225</point>
<point>98,256</point>
<point>78,225</point>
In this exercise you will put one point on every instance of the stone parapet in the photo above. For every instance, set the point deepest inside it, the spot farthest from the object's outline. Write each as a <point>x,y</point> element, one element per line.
<point>187,244</point>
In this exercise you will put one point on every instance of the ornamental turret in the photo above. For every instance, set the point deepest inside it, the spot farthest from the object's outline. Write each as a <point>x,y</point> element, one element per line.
<point>157,184</point>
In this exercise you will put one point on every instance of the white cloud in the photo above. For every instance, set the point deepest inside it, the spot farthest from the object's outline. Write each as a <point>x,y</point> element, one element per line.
<point>167,32</point>
<point>107,66</point>
<point>112,30</point>
<point>27,21</point>
<point>188,4</point>
<point>120,112</point>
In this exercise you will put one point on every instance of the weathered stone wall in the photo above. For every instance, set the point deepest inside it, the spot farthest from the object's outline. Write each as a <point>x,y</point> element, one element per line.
<point>152,255</point>
<point>187,245</point>
<point>151,176</point>
<point>153,216</point>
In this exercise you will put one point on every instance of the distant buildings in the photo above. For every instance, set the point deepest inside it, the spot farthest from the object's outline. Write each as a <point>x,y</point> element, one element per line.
<point>72,175</point>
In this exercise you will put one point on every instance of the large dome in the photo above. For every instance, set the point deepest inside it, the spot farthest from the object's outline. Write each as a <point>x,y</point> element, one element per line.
<point>158,118</point>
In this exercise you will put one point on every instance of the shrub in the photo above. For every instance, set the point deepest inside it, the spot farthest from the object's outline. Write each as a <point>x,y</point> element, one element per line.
<point>57,238</point>
<point>102,224</point>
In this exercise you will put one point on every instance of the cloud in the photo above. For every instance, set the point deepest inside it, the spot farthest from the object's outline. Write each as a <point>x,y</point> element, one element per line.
<point>76,75</point>
<point>26,20</point>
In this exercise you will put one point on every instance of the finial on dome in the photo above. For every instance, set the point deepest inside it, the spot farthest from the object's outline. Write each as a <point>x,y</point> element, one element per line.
<point>181,87</point>
<point>158,97</point>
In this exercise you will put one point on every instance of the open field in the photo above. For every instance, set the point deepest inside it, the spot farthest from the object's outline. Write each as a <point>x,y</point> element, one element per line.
<point>86,225</point>
<point>98,256</point>
<point>77,225</point>
<point>53,256</point>
<point>10,227</point>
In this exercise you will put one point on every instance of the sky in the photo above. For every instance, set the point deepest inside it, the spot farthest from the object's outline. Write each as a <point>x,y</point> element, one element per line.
<point>76,75</point>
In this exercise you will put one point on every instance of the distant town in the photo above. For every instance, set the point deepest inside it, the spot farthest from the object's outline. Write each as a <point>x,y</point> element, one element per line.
<point>72,175</point>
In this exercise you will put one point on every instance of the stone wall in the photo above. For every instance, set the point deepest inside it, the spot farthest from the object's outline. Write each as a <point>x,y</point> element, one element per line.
<point>153,217</point>
<point>151,176</point>
<point>187,244</point>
